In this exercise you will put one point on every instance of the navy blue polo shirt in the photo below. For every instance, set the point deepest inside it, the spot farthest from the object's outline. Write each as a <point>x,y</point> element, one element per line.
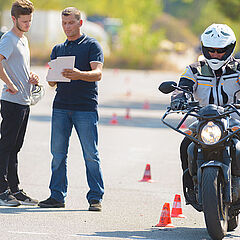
<point>78,94</point>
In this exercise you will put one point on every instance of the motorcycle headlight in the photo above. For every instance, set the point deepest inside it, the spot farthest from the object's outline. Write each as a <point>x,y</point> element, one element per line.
<point>211,133</point>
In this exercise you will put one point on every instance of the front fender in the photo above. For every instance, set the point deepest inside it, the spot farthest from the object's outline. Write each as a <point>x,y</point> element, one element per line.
<point>225,171</point>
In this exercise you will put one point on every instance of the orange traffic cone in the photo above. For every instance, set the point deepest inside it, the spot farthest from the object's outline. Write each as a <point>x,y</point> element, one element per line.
<point>114,120</point>
<point>127,116</point>
<point>128,93</point>
<point>177,209</point>
<point>116,71</point>
<point>183,125</point>
<point>146,105</point>
<point>165,219</point>
<point>127,79</point>
<point>147,175</point>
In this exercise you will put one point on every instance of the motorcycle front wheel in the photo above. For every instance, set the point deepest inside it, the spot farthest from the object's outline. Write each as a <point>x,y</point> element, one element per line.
<point>215,211</point>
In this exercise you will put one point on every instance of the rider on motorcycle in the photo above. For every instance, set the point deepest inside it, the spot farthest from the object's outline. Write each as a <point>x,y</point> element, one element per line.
<point>213,80</point>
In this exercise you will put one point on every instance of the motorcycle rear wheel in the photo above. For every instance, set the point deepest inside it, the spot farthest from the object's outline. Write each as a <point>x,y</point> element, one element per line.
<point>215,211</point>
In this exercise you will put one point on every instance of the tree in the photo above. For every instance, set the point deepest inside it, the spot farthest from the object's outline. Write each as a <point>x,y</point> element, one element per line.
<point>231,8</point>
<point>48,4</point>
<point>137,40</point>
<point>185,9</point>
<point>3,4</point>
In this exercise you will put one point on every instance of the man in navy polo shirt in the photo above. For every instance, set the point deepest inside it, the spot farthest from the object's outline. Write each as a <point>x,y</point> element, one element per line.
<point>75,104</point>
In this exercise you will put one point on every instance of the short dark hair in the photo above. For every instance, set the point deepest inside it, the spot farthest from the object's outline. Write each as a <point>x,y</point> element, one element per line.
<point>22,7</point>
<point>72,10</point>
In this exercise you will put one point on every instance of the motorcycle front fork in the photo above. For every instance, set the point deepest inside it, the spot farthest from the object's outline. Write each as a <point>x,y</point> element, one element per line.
<point>235,188</point>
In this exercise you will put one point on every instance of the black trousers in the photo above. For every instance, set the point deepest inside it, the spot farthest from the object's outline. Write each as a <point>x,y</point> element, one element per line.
<point>184,160</point>
<point>183,152</point>
<point>13,129</point>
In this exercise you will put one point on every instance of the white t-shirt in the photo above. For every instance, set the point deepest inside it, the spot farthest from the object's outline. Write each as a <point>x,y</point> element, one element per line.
<point>17,66</point>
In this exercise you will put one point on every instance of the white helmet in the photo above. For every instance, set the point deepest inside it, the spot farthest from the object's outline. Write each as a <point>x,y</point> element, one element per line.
<point>218,36</point>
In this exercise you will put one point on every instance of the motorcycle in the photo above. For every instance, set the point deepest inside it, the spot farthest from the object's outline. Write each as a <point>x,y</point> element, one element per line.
<point>213,160</point>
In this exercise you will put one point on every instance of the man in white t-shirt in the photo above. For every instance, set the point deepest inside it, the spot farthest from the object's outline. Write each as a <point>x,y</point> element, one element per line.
<point>15,102</point>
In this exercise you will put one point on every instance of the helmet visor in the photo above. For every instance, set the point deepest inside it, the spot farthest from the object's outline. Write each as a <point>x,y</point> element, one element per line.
<point>228,50</point>
<point>218,50</point>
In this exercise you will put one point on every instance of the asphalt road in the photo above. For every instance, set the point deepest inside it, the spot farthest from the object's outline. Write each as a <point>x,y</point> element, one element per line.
<point>130,208</point>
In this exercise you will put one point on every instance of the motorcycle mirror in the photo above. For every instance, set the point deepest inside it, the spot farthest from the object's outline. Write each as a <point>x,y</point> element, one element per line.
<point>167,87</point>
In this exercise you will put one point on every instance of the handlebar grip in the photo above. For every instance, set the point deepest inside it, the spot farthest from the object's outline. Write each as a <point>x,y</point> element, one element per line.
<point>236,105</point>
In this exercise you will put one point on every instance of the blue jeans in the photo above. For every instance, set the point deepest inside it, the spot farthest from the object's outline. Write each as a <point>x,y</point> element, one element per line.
<point>85,124</point>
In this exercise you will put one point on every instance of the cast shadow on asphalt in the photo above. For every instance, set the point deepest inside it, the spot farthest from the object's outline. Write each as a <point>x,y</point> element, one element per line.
<point>134,105</point>
<point>179,233</point>
<point>40,118</point>
<point>19,210</point>
<point>140,122</point>
<point>146,121</point>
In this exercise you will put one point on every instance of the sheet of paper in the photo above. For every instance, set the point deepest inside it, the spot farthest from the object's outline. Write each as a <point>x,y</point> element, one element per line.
<point>56,68</point>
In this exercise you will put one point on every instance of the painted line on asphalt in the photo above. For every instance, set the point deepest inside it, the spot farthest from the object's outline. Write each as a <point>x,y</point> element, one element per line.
<point>33,233</point>
<point>79,235</point>
<point>94,236</point>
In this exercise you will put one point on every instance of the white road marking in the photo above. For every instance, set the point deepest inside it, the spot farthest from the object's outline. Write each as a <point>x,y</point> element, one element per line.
<point>80,235</point>
<point>34,233</point>
<point>94,236</point>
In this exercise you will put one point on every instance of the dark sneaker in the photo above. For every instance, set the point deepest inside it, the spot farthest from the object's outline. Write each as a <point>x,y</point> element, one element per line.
<point>51,203</point>
<point>95,205</point>
<point>7,199</point>
<point>24,199</point>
